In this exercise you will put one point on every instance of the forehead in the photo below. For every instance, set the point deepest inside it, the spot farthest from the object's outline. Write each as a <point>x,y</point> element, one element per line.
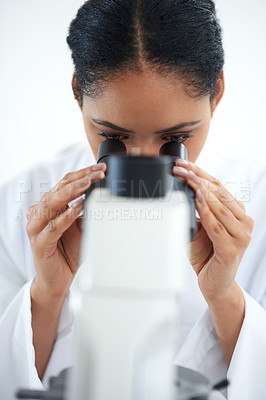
<point>146,97</point>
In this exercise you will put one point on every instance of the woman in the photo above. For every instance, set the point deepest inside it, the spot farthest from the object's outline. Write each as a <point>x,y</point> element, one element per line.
<point>146,72</point>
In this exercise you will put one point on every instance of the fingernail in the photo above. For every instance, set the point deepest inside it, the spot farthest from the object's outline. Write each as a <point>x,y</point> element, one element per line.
<point>182,163</point>
<point>98,167</point>
<point>78,203</point>
<point>181,172</point>
<point>200,197</point>
<point>193,177</point>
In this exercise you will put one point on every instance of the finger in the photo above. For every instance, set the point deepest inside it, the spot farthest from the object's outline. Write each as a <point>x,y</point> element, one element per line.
<point>225,215</point>
<point>238,226</point>
<point>241,205</point>
<point>29,212</point>
<point>180,173</point>
<point>225,198</point>
<point>76,175</point>
<point>222,213</point>
<point>197,185</point>
<point>197,170</point>
<point>203,174</point>
<point>50,235</point>
<point>213,227</point>
<point>218,190</point>
<point>56,202</point>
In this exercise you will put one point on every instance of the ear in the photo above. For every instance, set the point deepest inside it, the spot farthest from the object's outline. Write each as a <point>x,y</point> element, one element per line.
<point>76,90</point>
<point>219,91</point>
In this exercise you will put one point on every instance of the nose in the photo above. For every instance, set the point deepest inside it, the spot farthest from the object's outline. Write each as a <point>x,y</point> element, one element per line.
<point>147,151</point>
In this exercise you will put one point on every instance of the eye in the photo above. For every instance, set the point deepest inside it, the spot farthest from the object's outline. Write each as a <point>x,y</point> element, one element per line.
<point>178,138</point>
<point>107,135</point>
<point>181,138</point>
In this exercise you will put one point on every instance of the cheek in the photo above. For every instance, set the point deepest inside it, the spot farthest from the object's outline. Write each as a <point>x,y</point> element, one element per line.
<point>194,150</point>
<point>94,142</point>
<point>195,145</point>
<point>93,139</point>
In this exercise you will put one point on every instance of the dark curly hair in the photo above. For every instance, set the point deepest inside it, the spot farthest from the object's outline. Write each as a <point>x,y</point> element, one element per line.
<point>182,37</point>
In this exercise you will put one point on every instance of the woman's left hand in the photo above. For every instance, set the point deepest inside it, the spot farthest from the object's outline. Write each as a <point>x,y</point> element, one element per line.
<point>223,232</point>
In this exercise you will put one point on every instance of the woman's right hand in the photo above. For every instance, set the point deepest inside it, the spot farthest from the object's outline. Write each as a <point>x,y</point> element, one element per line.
<point>54,230</point>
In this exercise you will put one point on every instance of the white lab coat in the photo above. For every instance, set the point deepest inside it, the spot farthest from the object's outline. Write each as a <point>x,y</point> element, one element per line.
<point>198,347</point>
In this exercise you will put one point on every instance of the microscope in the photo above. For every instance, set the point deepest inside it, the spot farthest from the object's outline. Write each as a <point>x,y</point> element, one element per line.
<point>137,224</point>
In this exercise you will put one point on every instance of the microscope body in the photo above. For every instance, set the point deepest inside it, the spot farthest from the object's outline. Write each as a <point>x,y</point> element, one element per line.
<point>125,294</point>
<point>126,297</point>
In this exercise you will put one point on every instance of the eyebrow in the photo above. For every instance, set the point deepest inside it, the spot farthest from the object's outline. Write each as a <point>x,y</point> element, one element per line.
<point>108,124</point>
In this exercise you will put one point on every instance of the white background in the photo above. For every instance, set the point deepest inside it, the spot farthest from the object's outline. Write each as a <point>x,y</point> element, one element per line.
<point>38,115</point>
